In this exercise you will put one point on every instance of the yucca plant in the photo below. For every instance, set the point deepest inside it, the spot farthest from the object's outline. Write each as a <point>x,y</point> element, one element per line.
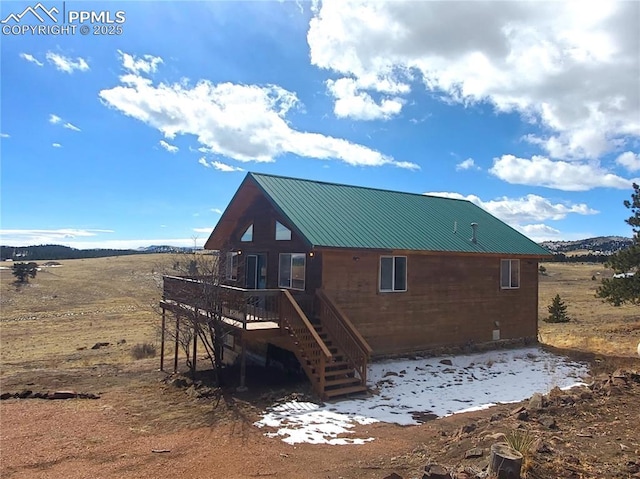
<point>523,442</point>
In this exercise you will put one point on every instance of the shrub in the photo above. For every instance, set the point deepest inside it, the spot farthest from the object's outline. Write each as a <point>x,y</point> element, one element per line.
<point>557,311</point>
<point>144,350</point>
<point>524,443</point>
<point>521,441</point>
<point>24,271</point>
<point>542,270</point>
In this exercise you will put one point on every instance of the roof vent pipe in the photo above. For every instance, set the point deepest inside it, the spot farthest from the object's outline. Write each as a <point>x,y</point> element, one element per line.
<point>474,234</point>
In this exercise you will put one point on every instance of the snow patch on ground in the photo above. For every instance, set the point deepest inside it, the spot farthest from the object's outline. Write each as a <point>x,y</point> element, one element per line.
<point>312,423</point>
<point>410,391</point>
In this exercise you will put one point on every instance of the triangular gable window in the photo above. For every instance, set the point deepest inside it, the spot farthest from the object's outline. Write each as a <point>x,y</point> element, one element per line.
<point>282,232</point>
<point>248,234</point>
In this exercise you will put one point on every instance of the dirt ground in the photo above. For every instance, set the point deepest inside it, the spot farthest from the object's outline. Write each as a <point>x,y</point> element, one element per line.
<point>144,427</point>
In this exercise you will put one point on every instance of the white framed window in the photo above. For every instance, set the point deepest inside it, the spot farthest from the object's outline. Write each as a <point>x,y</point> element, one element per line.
<point>509,273</point>
<point>292,270</point>
<point>282,232</point>
<point>248,234</point>
<point>231,271</point>
<point>393,274</point>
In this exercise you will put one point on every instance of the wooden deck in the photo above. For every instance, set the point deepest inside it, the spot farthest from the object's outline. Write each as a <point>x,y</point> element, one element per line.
<point>332,353</point>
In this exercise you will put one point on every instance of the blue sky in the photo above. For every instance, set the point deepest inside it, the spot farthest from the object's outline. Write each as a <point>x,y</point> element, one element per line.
<point>142,134</point>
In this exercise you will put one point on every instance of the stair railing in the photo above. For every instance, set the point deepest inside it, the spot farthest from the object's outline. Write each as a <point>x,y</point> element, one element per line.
<point>311,351</point>
<point>344,334</point>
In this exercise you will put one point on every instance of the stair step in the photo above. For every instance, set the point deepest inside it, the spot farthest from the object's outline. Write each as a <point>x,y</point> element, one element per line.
<point>340,373</point>
<point>337,366</point>
<point>333,369</point>
<point>341,382</point>
<point>345,391</point>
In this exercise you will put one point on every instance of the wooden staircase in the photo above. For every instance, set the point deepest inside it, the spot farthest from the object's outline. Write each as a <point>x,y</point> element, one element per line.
<point>329,348</point>
<point>340,378</point>
<point>331,352</point>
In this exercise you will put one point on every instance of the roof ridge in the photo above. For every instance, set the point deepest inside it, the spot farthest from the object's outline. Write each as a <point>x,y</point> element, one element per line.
<point>306,180</point>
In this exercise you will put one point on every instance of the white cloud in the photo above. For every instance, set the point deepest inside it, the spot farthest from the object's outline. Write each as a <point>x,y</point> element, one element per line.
<point>138,243</point>
<point>467,164</point>
<point>218,165</point>
<point>562,175</point>
<point>629,160</point>
<point>568,69</point>
<point>55,120</point>
<point>203,230</point>
<point>56,145</point>
<point>350,102</point>
<point>243,122</point>
<point>27,237</point>
<point>5,135</point>
<point>204,162</point>
<point>146,64</point>
<point>31,58</point>
<point>87,239</point>
<point>66,64</point>
<point>541,232</point>
<point>525,214</point>
<point>517,211</point>
<point>170,148</point>
<point>217,211</point>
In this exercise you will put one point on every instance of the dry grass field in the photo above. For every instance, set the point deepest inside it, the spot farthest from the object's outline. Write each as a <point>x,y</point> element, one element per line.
<point>596,327</point>
<point>47,329</point>
<point>46,323</point>
<point>54,320</point>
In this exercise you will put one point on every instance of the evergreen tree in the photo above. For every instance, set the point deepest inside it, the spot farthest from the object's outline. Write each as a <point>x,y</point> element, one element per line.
<point>625,287</point>
<point>24,271</point>
<point>557,311</point>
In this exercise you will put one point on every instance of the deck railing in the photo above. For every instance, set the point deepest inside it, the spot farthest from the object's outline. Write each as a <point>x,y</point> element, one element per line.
<point>344,334</point>
<point>248,306</point>
<point>239,304</point>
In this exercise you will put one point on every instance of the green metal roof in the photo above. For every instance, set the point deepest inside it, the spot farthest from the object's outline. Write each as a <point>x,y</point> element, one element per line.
<point>342,216</point>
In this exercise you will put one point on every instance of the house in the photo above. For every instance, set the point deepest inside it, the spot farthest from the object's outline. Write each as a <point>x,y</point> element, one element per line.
<point>361,272</point>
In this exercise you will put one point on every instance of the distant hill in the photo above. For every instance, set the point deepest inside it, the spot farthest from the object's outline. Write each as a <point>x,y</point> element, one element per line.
<point>56,252</point>
<point>167,249</point>
<point>601,245</point>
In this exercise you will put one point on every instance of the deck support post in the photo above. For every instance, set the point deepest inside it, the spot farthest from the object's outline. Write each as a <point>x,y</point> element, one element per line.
<point>162,333</point>
<point>175,349</point>
<point>243,365</point>
<point>195,346</point>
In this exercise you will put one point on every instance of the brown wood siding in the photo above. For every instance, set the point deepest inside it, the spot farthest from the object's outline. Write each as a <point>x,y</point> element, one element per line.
<point>263,216</point>
<point>450,300</point>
